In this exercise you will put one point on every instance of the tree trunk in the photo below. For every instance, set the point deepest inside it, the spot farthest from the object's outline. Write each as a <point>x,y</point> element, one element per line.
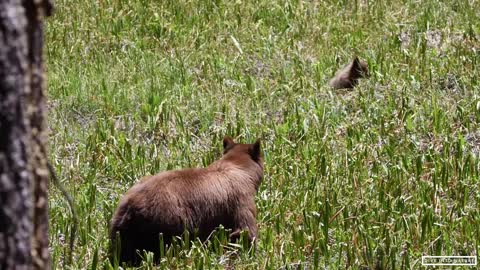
<point>23,160</point>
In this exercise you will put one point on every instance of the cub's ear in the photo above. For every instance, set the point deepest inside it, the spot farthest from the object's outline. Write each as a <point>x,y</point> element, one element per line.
<point>255,151</point>
<point>227,143</point>
<point>356,65</point>
<point>356,69</point>
<point>356,61</point>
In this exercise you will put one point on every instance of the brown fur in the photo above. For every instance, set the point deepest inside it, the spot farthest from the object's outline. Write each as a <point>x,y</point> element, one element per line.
<point>348,76</point>
<point>197,200</point>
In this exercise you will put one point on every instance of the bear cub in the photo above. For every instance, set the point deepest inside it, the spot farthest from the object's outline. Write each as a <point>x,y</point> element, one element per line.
<point>348,76</point>
<point>197,200</point>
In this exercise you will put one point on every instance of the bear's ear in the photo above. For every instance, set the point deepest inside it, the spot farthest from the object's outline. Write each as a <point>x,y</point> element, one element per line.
<point>227,143</point>
<point>356,61</point>
<point>358,69</point>
<point>356,66</point>
<point>256,152</point>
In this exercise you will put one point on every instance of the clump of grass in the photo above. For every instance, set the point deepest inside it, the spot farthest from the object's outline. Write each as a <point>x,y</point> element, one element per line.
<point>377,176</point>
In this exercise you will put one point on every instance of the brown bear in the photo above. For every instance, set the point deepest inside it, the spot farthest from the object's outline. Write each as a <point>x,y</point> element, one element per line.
<point>348,76</point>
<point>196,200</point>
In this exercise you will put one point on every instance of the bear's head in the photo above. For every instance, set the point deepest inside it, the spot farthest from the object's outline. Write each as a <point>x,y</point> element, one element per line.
<point>358,69</point>
<point>247,156</point>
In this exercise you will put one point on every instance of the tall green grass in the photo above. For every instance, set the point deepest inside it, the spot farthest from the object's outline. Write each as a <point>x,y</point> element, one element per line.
<point>377,176</point>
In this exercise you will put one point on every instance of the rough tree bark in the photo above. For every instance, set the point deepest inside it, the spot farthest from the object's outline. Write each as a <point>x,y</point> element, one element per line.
<point>23,161</point>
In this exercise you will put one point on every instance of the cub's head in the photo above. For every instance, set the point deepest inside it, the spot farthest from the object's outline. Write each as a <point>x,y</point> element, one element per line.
<point>242,154</point>
<point>358,69</point>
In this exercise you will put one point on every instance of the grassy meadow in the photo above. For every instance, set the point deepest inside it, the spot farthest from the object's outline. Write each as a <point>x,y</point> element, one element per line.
<point>373,177</point>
